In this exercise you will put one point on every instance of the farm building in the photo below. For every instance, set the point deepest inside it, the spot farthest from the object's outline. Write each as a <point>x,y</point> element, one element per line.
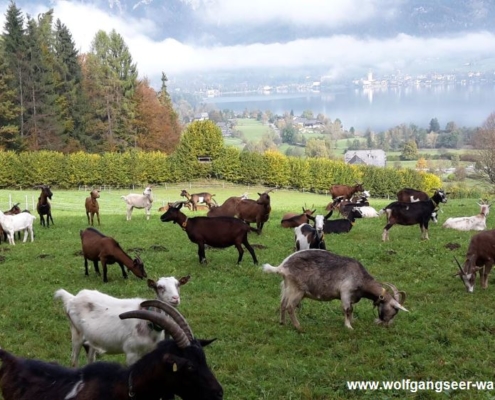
<point>376,158</point>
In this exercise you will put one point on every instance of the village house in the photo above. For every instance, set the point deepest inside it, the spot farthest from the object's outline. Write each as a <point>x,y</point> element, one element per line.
<point>376,158</point>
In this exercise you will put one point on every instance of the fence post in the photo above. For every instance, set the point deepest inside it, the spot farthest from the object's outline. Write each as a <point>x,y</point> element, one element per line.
<point>27,204</point>
<point>10,201</point>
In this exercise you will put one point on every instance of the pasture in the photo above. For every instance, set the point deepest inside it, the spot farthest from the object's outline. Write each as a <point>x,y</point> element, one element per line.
<point>448,335</point>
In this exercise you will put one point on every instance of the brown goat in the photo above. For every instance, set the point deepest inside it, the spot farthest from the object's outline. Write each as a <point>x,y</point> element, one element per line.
<point>98,247</point>
<point>92,206</point>
<point>480,257</point>
<point>203,197</point>
<point>257,211</point>
<point>218,232</point>
<point>227,209</point>
<point>44,207</point>
<point>293,220</point>
<point>346,191</point>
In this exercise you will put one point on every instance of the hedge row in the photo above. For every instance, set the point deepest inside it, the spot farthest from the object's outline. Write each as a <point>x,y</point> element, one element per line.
<point>139,168</point>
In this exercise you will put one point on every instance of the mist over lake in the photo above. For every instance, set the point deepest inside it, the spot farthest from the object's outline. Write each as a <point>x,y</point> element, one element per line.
<point>377,109</point>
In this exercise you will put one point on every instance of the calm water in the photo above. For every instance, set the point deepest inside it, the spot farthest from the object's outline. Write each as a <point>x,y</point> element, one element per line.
<point>380,109</point>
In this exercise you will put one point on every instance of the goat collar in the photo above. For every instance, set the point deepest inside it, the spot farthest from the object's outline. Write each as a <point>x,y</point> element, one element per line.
<point>184,224</point>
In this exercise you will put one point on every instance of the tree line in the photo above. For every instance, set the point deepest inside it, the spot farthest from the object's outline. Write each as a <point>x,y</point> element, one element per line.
<point>54,98</point>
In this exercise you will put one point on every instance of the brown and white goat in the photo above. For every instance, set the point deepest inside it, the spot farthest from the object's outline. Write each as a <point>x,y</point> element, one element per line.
<point>196,198</point>
<point>293,220</point>
<point>480,257</point>
<point>15,209</point>
<point>218,232</point>
<point>175,367</point>
<point>92,206</point>
<point>324,276</point>
<point>98,247</point>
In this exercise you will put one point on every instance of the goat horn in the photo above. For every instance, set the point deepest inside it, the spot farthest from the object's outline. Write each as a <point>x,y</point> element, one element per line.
<point>459,265</point>
<point>395,290</point>
<point>172,311</point>
<point>163,321</point>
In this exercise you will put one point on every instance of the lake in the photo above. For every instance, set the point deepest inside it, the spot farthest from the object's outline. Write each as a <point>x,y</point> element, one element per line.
<point>378,109</point>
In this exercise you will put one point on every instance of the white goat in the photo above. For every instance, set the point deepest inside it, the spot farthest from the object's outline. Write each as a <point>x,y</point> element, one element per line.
<point>307,237</point>
<point>368,212</point>
<point>144,200</point>
<point>474,223</point>
<point>94,320</point>
<point>15,223</point>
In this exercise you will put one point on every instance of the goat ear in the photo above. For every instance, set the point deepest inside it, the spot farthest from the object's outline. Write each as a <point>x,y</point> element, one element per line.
<point>184,280</point>
<point>151,284</point>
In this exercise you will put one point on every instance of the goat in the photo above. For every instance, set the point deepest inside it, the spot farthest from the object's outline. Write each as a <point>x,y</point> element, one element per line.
<point>16,223</point>
<point>293,220</point>
<point>343,225</point>
<point>94,320</point>
<point>227,208</point>
<point>419,212</point>
<point>173,204</point>
<point>134,200</point>
<point>362,198</point>
<point>203,197</point>
<point>346,191</point>
<point>480,257</point>
<point>474,223</point>
<point>98,247</point>
<point>44,207</point>
<point>92,206</point>
<point>216,232</point>
<point>324,276</point>
<point>408,195</point>
<point>175,367</point>
<point>15,209</point>
<point>308,237</point>
<point>258,211</point>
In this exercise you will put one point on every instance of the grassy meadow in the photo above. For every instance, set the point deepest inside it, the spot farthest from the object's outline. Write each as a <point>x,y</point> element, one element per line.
<point>448,335</point>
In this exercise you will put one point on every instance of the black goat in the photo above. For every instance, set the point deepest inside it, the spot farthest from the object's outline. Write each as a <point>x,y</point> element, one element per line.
<point>43,207</point>
<point>343,225</point>
<point>419,212</point>
<point>213,231</point>
<point>175,367</point>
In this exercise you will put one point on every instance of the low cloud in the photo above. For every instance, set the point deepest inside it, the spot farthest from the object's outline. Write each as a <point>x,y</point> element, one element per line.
<point>338,53</point>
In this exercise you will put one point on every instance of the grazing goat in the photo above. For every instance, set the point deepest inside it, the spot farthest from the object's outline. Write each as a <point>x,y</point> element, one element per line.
<point>324,276</point>
<point>44,207</point>
<point>480,257</point>
<point>94,320</point>
<point>293,220</point>
<point>308,237</point>
<point>408,195</point>
<point>92,206</point>
<point>212,231</point>
<point>175,367</point>
<point>343,225</point>
<point>419,212</point>
<point>474,223</point>
<point>258,211</point>
<point>98,247</point>
<point>144,200</point>
<point>203,197</point>
<point>346,191</point>
<point>16,223</point>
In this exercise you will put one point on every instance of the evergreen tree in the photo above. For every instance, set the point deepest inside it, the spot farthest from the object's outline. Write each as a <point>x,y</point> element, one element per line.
<point>9,110</point>
<point>14,46</point>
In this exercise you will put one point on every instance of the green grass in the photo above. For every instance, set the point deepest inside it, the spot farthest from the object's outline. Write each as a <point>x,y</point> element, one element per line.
<point>448,334</point>
<point>252,129</point>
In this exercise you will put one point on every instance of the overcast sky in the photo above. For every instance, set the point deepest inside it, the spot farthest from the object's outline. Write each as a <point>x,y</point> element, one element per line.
<point>337,53</point>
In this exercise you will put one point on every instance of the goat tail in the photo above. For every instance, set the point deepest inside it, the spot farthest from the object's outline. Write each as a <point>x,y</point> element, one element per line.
<point>64,295</point>
<point>270,269</point>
